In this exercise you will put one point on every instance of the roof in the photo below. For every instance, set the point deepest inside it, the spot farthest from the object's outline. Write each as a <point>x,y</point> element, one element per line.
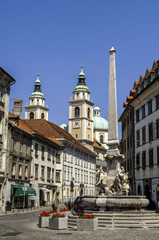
<point>4,73</point>
<point>53,132</point>
<point>18,101</point>
<point>100,123</point>
<point>97,144</point>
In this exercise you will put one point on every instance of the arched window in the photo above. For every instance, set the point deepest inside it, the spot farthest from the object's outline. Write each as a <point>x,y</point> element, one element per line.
<point>42,115</point>
<point>101,138</point>
<point>31,115</point>
<point>77,112</point>
<point>88,113</point>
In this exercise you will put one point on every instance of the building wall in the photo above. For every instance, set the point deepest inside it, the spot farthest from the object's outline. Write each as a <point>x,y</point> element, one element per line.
<point>46,185</point>
<point>147,173</point>
<point>81,168</point>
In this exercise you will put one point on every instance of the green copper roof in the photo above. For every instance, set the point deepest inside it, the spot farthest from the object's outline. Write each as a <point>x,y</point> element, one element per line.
<point>100,123</point>
<point>37,90</point>
<point>81,88</point>
<point>37,94</point>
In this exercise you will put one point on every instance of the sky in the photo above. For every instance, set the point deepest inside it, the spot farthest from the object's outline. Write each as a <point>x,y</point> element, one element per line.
<point>54,37</point>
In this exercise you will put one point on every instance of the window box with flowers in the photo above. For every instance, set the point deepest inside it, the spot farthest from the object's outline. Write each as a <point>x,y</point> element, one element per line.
<point>58,221</point>
<point>44,219</point>
<point>66,211</point>
<point>87,223</point>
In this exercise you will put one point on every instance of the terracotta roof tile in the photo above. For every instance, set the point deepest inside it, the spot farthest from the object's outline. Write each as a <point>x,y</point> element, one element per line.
<point>97,144</point>
<point>49,129</point>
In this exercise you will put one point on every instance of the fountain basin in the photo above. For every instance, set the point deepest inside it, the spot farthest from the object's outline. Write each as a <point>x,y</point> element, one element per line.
<point>115,202</point>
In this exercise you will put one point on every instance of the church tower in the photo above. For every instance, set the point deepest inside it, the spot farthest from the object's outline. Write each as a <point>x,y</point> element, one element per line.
<point>36,109</point>
<point>81,113</point>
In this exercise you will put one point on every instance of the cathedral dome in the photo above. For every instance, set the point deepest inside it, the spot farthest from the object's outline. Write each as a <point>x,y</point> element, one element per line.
<point>99,122</point>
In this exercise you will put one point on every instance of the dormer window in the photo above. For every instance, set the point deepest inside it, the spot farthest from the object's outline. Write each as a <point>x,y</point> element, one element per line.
<point>156,72</point>
<point>137,91</point>
<point>149,80</point>
<point>142,85</point>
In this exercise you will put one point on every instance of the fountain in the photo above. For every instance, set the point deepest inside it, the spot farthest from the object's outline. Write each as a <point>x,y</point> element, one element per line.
<point>113,185</point>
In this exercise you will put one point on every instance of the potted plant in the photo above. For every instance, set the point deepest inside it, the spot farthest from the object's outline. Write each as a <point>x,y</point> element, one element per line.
<point>20,176</point>
<point>26,177</point>
<point>66,211</point>
<point>87,223</point>
<point>44,219</point>
<point>58,221</point>
<point>13,175</point>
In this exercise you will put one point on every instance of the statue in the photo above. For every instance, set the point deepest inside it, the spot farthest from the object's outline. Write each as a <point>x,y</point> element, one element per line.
<point>120,184</point>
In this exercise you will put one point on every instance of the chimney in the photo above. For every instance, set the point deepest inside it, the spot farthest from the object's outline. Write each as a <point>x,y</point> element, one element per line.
<point>17,110</point>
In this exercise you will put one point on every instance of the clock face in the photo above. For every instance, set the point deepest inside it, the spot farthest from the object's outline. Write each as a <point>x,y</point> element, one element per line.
<point>76,124</point>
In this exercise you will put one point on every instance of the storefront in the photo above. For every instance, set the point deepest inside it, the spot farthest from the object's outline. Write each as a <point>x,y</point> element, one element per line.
<point>20,196</point>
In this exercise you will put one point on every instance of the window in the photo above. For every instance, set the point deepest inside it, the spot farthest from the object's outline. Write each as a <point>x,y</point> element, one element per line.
<point>137,91</point>
<point>150,107</point>
<point>1,93</point>
<point>142,85</point>
<point>42,172</point>
<point>36,171</point>
<point>13,169</point>
<point>156,72</point>
<point>157,102</point>
<point>49,154</point>
<point>158,155</point>
<point>137,116</point>
<point>57,158</point>
<point>149,79</point>
<point>64,173</point>
<point>42,115</point>
<point>71,158</point>
<point>77,112</point>
<point>20,171</point>
<point>48,174</point>
<point>143,160</point>
<point>57,176</point>
<point>138,161</point>
<point>150,132</point>
<point>157,128</point>
<point>52,175</point>
<point>143,111</point>
<point>88,113</point>
<point>36,150</point>
<point>53,156</point>
<point>31,115</point>
<point>64,156</point>
<point>138,137</point>
<point>144,135</point>
<point>101,138</point>
<point>151,157</point>
<point>43,152</point>
<point>26,172</point>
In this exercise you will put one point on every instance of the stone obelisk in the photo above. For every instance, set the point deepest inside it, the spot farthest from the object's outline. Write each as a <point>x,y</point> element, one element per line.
<point>113,157</point>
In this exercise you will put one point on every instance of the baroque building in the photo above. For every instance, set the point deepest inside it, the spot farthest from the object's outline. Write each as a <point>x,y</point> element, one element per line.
<point>142,107</point>
<point>81,113</point>
<point>71,162</point>
<point>37,108</point>
<point>5,82</point>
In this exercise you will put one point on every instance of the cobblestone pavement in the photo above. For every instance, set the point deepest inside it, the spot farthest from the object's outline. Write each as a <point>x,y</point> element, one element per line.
<point>25,226</point>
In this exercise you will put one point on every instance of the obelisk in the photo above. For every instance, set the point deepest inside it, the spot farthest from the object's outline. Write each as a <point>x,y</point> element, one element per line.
<point>113,157</point>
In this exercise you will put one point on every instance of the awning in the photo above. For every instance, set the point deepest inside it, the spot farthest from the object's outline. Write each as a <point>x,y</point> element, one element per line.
<point>44,189</point>
<point>20,191</point>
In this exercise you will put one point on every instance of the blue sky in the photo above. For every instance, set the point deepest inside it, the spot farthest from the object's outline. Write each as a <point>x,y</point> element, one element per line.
<point>54,37</point>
